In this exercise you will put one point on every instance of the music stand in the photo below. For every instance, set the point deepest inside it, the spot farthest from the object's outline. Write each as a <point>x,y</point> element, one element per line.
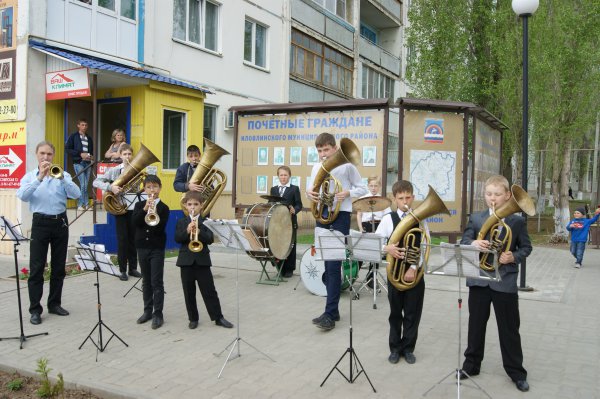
<point>461,261</point>
<point>376,276</point>
<point>331,250</point>
<point>93,257</point>
<point>10,231</point>
<point>135,286</point>
<point>231,236</point>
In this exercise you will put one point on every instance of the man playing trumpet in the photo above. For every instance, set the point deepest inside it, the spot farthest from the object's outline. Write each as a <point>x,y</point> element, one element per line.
<point>47,197</point>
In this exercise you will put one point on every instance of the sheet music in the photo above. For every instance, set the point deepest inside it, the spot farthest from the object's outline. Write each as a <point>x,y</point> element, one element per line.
<point>221,229</point>
<point>13,231</point>
<point>93,255</point>
<point>330,244</point>
<point>232,235</point>
<point>470,260</point>
<point>366,246</point>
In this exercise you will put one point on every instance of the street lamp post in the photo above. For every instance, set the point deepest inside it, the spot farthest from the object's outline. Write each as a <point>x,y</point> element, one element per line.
<point>525,9</point>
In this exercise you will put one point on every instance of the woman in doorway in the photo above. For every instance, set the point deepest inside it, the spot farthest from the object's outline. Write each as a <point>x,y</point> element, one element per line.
<point>117,138</point>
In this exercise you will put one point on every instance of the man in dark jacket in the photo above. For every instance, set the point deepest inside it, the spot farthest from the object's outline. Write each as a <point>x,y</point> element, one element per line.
<point>80,148</point>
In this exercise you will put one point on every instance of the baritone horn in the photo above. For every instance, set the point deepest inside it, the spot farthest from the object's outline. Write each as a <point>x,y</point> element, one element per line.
<point>411,234</point>
<point>151,218</point>
<point>212,179</point>
<point>56,172</point>
<point>130,180</point>
<point>195,244</point>
<point>519,201</point>
<point>328,186</point>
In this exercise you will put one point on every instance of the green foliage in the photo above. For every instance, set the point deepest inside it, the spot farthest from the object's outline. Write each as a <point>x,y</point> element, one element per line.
<point>47,389</point>
<point>15,384</point>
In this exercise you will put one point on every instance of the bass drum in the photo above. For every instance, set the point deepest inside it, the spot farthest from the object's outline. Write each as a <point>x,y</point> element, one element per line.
<point>312,270</point>
<point>272,224</point>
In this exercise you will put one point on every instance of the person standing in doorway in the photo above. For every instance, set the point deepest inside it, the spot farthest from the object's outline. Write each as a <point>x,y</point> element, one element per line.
<point>81,149</point>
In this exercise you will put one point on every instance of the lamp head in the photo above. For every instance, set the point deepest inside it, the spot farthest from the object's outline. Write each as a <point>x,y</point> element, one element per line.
<point>525,7</point>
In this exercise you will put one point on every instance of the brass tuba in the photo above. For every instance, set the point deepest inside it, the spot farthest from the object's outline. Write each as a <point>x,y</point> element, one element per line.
<point>410,237</point>
<point>130,180</point>
<point>348,152</point>
<point>519,201</point>
<point>213,179</point>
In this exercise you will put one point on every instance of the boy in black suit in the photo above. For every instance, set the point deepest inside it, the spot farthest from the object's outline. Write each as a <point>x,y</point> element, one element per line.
<point>502,294</point>
<point>291,197</point>
<point>150,243</point>
<point>195,266</point>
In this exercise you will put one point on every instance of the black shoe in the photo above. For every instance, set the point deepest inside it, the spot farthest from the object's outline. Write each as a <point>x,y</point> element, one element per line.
<point>223,323</point>
<point>135,273</point>
<point>193,325</point>
<point>326,323</point>
<point>288,274</point>
<point>36,319</point>
<point>410,357</point>
<point>394,357</point>
<point>317,320</point>
<point>59,311</point>
<point>157,322</point>
<point>123,277</point>
<point>464,374</point>
<point>144,318</point>
<point>522,385</point>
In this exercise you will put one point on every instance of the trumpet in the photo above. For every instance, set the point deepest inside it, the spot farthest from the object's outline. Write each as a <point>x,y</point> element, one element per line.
<point>56,171</point>
<point>195,245</point>
<point>151,218</point>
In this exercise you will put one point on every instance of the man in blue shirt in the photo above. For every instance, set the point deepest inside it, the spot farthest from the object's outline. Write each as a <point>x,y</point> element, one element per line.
<point>80,147</point>
<point>47,197</point>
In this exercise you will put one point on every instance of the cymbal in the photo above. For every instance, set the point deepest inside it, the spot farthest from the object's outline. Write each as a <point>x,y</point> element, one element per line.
<point>375,203</point>
<point>272,198</point>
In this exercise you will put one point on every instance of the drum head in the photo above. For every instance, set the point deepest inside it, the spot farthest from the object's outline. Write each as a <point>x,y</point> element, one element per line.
<point>311,273</point>
<point>280,231</point>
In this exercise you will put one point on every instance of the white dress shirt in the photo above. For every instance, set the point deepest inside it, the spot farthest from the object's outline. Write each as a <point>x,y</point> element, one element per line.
<point>350,179</point>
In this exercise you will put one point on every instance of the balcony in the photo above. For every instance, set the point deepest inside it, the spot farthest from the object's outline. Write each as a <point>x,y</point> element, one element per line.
<point>380,56</point>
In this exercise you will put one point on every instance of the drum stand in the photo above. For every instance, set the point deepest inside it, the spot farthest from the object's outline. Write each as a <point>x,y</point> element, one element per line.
<point>377,280</point>
<point>356,367</point>
<point>232,236</point>
<point>457,257</point>
<point>264,262</point>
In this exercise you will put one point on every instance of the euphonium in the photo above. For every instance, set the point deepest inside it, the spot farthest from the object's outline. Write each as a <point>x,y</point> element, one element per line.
<point>410,237</point>
<point>212,179</point>
<point>130,180</point>
<point>152,218</point>
<point>56,171</point>
<point>324,180</point>
<point>519,201</point>
<point>195,244</point>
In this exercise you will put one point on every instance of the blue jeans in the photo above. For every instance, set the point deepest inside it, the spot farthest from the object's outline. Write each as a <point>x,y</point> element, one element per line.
<point>333,269</point>
<point>577,249</point>
<point>83,182</point>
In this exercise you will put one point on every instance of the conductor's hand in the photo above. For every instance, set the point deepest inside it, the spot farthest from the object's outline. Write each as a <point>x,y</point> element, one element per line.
<point>313,196</point>
<point>116,189</point>
<point>195,187</point>
<point>481,245</point>
<point>393,250</point>
<point>44,170</point>
<point>506,257</point>
<point>410,275</point>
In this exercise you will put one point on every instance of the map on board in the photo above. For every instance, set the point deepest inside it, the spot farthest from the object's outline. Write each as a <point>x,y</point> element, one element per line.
<point>435,168</point>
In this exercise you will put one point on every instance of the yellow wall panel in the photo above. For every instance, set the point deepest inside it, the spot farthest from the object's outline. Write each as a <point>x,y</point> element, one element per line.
<point>55,125</point>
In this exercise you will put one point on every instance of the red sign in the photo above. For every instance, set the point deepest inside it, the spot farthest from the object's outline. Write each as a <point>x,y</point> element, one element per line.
<point>12,165</point>
<point>67,84</point>
<point>100,171</point>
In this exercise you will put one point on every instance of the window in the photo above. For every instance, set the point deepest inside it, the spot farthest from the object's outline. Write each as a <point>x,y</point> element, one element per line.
<point>368,33</point>
<point>174,133</point>
<point>255,44</point>
<point>128,9</point>
<point>197,22</point>
<point>210,122</point>
<point>341,8</point>
<point>108,4</point>
<point>313,60</point>
<point>375,84</point>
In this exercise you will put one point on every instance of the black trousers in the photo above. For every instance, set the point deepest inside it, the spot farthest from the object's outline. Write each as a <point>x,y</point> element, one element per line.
<point>202,275</point>
<point>152,264</point>
<point>126,252</point>
<point>54,234</point>
<point>506,308</point>
<point>289,265</point>
<point>406,308</point>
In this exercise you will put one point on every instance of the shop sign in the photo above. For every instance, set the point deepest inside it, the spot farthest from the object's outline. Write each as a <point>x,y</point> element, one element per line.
<point>67,84</point>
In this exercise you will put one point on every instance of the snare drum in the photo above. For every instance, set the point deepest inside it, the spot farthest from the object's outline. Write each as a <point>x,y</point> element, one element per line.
<point>272,224</point>
<point>312,270</point>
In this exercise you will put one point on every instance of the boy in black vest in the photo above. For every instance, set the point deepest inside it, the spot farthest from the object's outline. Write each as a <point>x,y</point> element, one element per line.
<point>195,265</point>
<point>405,306</point>
<point>150,241</point>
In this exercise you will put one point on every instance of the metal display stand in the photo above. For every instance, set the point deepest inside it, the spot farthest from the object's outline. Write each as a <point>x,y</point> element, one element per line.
<point>231,236</point>
<point>330,245</point>
<point>461,261</point>
<point>91,258</point>
<point>11,234</point>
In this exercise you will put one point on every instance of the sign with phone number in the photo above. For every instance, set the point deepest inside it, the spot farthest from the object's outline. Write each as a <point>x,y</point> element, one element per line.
<point>8,110</point>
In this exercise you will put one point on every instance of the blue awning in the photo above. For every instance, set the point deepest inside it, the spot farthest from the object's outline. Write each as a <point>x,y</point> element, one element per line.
<point>104,65</point>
